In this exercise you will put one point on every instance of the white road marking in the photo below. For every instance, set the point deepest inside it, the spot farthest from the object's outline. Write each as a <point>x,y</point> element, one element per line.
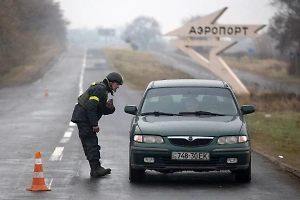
<point>72,124</point>
<point>101,61</point>
<point>57,154</point>
<point>49,184</point>
<point>68,134</point>
<point>66,137</point>
<point>64,140</point>
<point>70,129</point>
<point>82,73</point>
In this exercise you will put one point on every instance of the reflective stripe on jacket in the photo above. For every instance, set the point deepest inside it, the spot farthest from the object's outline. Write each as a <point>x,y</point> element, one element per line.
<point>92,105</point>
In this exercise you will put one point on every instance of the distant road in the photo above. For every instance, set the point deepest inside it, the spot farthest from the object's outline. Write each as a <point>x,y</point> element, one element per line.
<point>251,81</point>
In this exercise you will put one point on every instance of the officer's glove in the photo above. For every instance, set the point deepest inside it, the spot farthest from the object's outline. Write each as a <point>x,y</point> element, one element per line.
<point>110,104</point>
<point>96,129</point>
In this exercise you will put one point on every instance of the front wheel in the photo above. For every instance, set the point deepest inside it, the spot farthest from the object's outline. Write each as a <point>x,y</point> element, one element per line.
<point>136,175</point>
<point>243,176</point>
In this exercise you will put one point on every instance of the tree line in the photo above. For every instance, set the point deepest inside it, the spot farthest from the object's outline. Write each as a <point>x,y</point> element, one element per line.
<point>27,28</point>
<point>285,29</point>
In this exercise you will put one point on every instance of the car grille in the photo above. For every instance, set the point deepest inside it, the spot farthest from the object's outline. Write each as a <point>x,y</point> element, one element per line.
<point>190,141</point>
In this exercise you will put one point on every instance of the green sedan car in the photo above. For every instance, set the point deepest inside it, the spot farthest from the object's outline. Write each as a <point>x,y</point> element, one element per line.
<point>189,125</point>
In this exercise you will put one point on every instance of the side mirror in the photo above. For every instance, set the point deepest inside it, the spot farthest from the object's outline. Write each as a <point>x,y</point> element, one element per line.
<point>130,109</point>
<point>247,109</point>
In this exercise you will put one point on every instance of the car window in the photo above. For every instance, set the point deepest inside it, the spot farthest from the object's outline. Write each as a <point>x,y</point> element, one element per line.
<point>163,103</point>
<point>189,99</point>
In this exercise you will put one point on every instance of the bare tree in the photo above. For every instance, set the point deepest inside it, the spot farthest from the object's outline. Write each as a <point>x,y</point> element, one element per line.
<point>264,46</point>
<point>285,29</point>
<point>26,27</point>
<point>143,33</point>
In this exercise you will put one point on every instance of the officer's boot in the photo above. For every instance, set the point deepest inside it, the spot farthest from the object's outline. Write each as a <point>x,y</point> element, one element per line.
<point>97,170</point>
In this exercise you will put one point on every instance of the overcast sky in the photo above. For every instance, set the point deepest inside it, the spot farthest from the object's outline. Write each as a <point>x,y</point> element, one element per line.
<point>169,13</point>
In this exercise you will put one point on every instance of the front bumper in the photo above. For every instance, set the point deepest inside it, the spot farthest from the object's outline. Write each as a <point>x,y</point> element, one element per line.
<point>163,161</point>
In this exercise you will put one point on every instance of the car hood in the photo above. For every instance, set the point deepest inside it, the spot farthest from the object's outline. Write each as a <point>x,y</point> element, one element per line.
<point>190,125</point>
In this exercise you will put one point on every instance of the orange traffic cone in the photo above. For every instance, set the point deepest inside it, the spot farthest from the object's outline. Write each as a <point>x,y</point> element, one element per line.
<point>46,92</point>
<point>38,182</point>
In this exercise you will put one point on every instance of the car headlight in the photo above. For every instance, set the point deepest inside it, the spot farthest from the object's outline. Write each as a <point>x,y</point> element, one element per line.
<point>232,139</point>
<point>148,139</point>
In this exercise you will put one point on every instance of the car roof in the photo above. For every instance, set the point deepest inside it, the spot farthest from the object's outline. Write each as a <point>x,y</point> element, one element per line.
<point>188,83</point>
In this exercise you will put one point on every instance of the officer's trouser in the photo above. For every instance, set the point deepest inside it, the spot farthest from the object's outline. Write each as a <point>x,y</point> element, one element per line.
<point>89,141</point>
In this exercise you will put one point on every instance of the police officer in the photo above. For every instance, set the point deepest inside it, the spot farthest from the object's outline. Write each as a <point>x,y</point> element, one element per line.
<point>92,104</point>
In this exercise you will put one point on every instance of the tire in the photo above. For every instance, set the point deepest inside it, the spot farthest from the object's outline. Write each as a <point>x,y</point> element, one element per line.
<point>243,176</point>
<point>136,175</point>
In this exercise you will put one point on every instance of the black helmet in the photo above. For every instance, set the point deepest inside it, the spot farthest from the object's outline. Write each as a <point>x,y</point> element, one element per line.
<point>115,77</point>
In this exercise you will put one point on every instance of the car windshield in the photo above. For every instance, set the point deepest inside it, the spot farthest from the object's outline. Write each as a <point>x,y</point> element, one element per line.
<point>189,100</point>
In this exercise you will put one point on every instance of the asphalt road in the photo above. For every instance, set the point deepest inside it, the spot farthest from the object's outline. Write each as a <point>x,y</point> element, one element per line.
<point>32,122</point>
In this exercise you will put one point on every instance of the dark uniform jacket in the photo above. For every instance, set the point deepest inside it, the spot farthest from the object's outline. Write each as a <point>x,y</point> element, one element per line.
<point>92,104</point>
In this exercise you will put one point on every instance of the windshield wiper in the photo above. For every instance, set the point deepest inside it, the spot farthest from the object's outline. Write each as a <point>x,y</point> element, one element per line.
<point>200,112</point>
<point>157,113</point>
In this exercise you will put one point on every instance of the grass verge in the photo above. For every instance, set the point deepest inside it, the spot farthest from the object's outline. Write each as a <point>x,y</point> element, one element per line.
<point>139,68</point>
<point>266,67</point>
<point>275,133</point>
<point>27,73</point>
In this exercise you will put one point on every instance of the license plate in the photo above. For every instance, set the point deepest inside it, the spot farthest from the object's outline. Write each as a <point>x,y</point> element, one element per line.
<point>190,156</point>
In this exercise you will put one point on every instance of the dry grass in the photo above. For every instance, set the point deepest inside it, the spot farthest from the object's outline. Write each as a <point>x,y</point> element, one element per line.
<point>276,134</point>
<point>26,74</point>
<point>272,102</point>
<point>139,68</point>
<point>267,67</point>
<point>264,67</point>
<point>275,125</point>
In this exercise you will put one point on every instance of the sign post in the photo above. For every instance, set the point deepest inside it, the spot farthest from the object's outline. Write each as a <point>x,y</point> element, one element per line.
<point>106,33</point>
<point>206,27</point>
